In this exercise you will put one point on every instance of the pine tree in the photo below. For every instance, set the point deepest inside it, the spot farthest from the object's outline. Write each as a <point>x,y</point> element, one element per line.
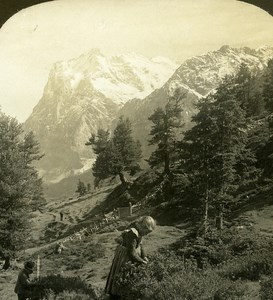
<point>268,87</point>
<point>117,155</point>
<point>100,141</point>
<point>217,159</point>
<point>197,157</point>
<point>247,92</point>
<point>166,122</point>
<point>262,139</point>
<point>20,187</point>
<point>81,188</point>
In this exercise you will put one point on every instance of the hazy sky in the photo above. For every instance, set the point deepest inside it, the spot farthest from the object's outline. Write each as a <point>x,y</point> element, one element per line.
<point>33,39</point>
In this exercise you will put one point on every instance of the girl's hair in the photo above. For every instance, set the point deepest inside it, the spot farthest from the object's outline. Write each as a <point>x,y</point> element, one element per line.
<point>147,222</point>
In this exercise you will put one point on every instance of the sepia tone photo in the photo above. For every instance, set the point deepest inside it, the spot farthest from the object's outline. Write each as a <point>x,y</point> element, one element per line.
<point>136,150</point>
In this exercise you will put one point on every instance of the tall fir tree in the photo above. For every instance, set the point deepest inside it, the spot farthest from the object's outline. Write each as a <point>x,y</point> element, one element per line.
<point>20,186</point>
<point>261,140</point>
<point>167,123</point>
<point>268,87</point>
<point>81,188</point>
<point>217,159</point>
<point>99,141</point>
<point>119,154</point>
<point>246,88</point>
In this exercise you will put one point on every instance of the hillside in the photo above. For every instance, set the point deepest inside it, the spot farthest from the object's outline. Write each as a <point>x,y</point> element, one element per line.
<point>48,229</point>
<point>93,261</point>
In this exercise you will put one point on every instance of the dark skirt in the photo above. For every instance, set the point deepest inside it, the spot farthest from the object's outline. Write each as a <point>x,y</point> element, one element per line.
<point>120,258</point>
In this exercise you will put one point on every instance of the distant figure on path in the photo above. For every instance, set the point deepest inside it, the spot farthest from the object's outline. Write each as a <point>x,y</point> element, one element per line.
<point>130,249</point>
<point>115,213</point>
<point>24,286</point>
<point>61,215</point>
<point>59,248</point>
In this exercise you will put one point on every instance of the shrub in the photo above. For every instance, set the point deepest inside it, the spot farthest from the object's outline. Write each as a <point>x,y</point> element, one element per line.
<point>251,266</point>
<point>66,295</point>
<point>168,277</point>
<point>211,250</point>
<point>223,246</point>
<point>58,284</point>
<point>230,291</point>
<point>266,290</point>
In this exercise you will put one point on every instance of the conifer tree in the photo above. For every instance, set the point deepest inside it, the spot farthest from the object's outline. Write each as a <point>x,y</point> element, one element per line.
<point>166,123</point>
<point>118,154</point>
<point>81,188</point>
<point>20,187</point>
<point>99,141</point>
<point>217,158</point>
<point>263,136</point>
<point>247,92</point>
<point>268,87</point>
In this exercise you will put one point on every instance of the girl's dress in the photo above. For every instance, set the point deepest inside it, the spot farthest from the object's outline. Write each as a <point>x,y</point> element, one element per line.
<point>130,249</point>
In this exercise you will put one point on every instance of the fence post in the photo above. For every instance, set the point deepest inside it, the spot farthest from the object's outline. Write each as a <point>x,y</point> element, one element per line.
<point>38,267</point>
<point>130,209</point>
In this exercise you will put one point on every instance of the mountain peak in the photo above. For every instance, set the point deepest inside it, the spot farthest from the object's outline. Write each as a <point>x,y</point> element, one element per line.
<point>225,49</point>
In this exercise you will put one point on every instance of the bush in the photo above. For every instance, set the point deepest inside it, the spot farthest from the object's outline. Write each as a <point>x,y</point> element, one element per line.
<point>223,246</point>
<point>56,285</point>
<point>266,290</point>
<point>212,250</point>
<point>251,266</point>
<point>66,295</point>
<point>168,277</point>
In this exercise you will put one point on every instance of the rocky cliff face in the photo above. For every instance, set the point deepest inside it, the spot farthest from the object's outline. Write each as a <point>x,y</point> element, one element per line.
<point>196,77</point>
<point>85,94</point>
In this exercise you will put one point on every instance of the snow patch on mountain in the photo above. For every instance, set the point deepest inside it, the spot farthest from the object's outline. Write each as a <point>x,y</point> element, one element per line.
<point>203,73</point>
<point>119,78</point>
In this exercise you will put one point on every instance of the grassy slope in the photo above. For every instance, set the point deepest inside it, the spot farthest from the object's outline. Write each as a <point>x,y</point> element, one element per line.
<point>91,257</point>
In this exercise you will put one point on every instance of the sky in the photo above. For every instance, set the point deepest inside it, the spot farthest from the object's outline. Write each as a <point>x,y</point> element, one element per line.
<point>32,40</point>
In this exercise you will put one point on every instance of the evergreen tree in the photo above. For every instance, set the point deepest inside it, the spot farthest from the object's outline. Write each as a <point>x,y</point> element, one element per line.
<point>262,129</point>
<point>81,188</point>
<point>20,187</point>
<point>100,141</point>
<point>197,157</point>
<point>247,92</point>
<point>268,87</point>
<point>217,159</point>
<point>119,154</point>
<point>166,122</point>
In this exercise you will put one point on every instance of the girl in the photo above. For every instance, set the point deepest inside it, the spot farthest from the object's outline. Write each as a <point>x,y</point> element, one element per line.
<point>130,249</point>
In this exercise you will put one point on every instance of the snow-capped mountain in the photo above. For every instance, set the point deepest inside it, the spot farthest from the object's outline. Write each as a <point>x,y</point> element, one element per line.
<point>82,95</point>
<point>90,92</point>
<point>197,77</point>
<point>203,73</point>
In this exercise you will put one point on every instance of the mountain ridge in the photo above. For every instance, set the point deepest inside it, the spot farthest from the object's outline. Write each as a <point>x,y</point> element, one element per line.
<point>78,100</point>
<point>197,77</point>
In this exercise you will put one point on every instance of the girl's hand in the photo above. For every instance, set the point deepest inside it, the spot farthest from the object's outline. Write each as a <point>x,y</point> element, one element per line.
<point>146,259</point>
